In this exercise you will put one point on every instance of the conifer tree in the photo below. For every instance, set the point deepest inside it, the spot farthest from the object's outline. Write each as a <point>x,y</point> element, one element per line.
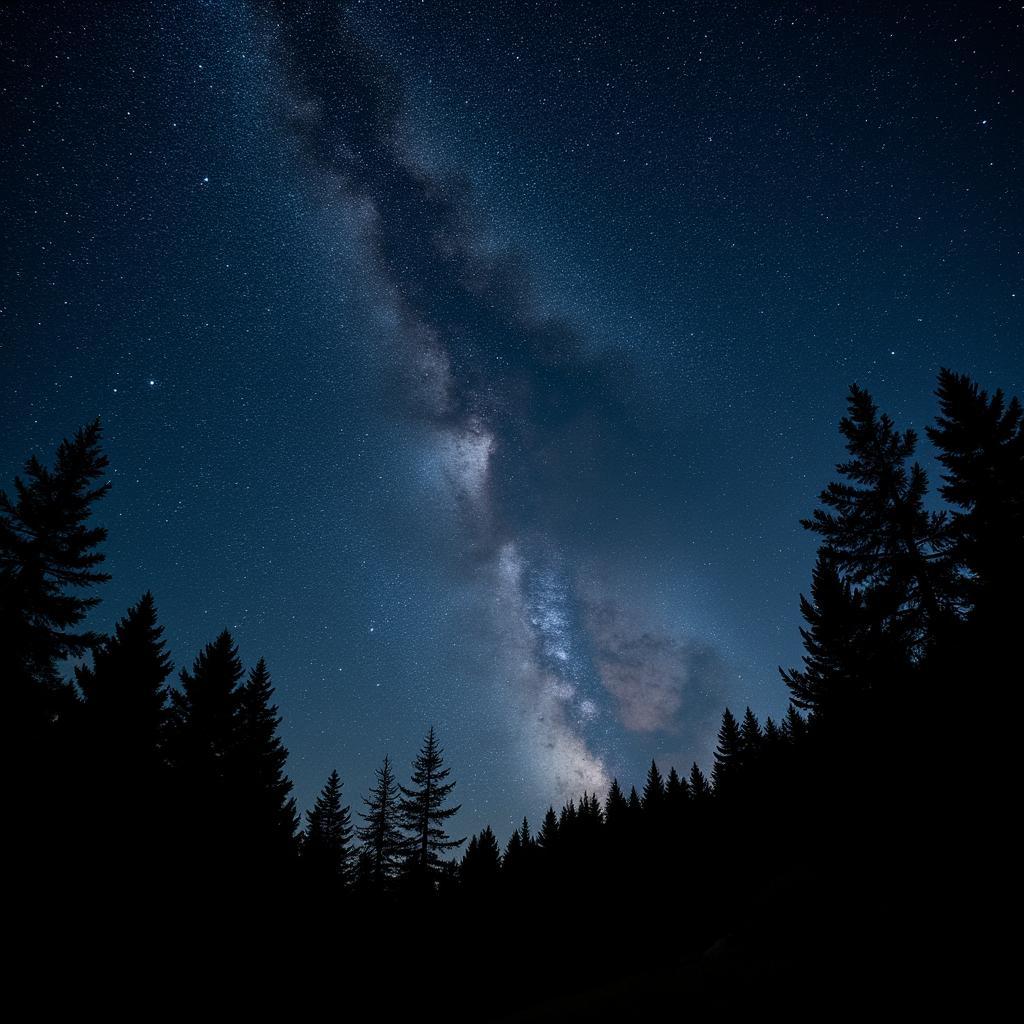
<point>846,656</point>
<point>980,442</point>
<point>654,790</point>
<point>751,737</point>
<point>481,864</point>
<point>126,696</point>
<point>700,790</point>
<point>677,792</point>
<point>615,807</point>
<point>264,811</point>
<point>200,744</point>
<point>877,532</point>
<point>634,806</point>
<point>728,753</point>
<point>203,712</point>
<point>381,834</point>
<point>48,554</point>
<point>524,833</point>
<point>326,850</point>
<point>547,837</point>
<point>794,727</point>
<point>423,810</point>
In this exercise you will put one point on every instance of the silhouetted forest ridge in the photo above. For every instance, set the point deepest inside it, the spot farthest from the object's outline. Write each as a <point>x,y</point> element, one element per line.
<point>825,854</point>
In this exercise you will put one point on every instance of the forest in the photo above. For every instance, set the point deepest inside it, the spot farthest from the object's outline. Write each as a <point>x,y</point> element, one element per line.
<point>844,850</point>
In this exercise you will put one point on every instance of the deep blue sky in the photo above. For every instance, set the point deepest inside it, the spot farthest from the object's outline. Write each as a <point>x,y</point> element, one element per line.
<point>475,364</point>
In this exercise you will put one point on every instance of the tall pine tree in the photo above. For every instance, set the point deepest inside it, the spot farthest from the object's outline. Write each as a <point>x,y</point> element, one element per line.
<point>48,554</point>
<point>424,812</point>
<point>326,849</point>
<point>382,834</point>
<point>263,808</point>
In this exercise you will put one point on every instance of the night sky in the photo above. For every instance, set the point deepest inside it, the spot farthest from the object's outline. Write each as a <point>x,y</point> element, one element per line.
<point>475,363</point>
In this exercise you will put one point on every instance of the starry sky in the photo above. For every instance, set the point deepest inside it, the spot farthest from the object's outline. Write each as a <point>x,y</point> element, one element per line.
<point>474,363</point>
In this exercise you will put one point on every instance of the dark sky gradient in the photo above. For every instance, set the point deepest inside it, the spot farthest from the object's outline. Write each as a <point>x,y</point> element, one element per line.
<point>474,364</point>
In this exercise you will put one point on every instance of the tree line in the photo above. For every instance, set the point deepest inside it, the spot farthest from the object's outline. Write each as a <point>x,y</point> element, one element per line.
<point>914,598</point>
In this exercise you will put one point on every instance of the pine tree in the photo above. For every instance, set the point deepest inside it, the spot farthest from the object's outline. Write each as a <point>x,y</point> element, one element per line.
<point>547,837</point>
<point>126,697</point>
<point>794,727</point>
<point>980,442</point>
<point>264,811</point>
<point>634,806</point>
<point>728,753</point>
<point>326,852</point>
<point>677,792</point>
<point>481,864</point>
<point>381,834</point>
<point>751,737</point>
<point>203,713</point>
<point>423,810</point>
<point>616,809</point>
<point>654,791</point>
<point>877,532</point>
<point>48,553</point>
<point>699,788</point>
<point>201,735</point>
<point>845,657</point>
<point>524,833</point>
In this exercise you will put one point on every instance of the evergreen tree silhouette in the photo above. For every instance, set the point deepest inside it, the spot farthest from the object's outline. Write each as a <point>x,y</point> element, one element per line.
<point>524,833</point>
<point>980,442</point>
<point>700,790</point>
<point>326,850</point>
<point>728,753</point>
<point>201,736</point>
<point>264,811</point>
<point>381,834</point>
<point>794,727</point>
<point>634,806</point>
<point>48,553</point>
<point>481,864</point>
<point>842,649</point>
<point>654,791</point>
<point>616,810</point>
<point>677,791</point>
<point>547,837</point>
<point>126,698</point>
<point>877,532</point>
<point>751,737</point>
<point>423,810</point>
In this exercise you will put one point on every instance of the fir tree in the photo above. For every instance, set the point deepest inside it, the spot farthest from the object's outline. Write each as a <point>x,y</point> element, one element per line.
<point>728,753</point>
<point>700,790</point>
<point>481,864</point>
<point>845,657</point>
<point>48,553</point>
<point>751,737</point>
<point>126,697</point>
<point>654,790</point>
<point>547,837</point>
<point>524,832</point>
<point>264,810</point>
<point>616,809</point>
<point>325,848</point>
<point>381,834</point>
<point>634,806</point>
<point>980,442</point>
<point>677,792</point>
<point>200,745</point>
<point>423,810</point>
<point>876,530</point>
